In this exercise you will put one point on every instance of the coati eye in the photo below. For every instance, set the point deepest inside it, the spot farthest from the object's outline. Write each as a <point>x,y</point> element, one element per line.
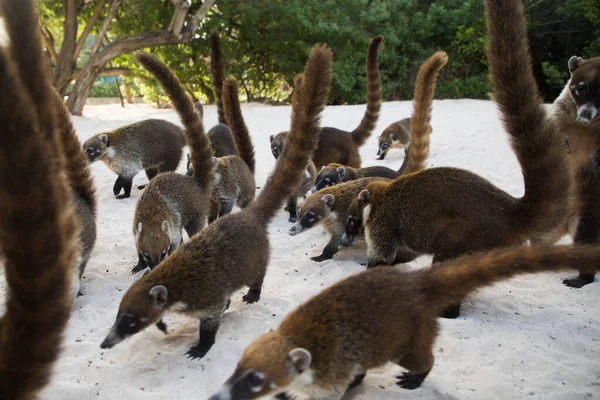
<point>581,86</point>
<point>311,214</point>
<point>163,254</point>
<point>255,379</point>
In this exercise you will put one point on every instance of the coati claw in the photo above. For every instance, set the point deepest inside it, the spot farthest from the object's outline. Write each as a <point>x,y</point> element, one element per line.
<point>139,267</point>
<point>320,258</point>
<point>577,283</point>
<point>122,196</point>
<point>252,296</point>
<point>411,381</point>
<point>197,352</point>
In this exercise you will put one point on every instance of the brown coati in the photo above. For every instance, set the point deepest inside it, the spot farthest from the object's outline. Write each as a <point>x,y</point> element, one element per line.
<point>448,212</point>
<point>82,188</point>
<point>395,136</point>
<point>329,206</point>
<point>576,113</point>
<point>233,252</point>
<point>39,230</point>
<point>336,145</point>
<point>153,145</point>
<point>234,177</point>
<point>326,346</point>
<point>334,174</point>
<point>173,202</point>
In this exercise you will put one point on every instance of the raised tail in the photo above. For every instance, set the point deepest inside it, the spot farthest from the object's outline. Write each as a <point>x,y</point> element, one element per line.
<point>449,282</point>
<point>535,140</point>
<point>217,69</point>
<point>235,120</point>
<point>38,233</point>
<point>77,167</point>
<point>194,129</point>
<point>308,104</point>
<point>421,116</point>
<point>367,124</point>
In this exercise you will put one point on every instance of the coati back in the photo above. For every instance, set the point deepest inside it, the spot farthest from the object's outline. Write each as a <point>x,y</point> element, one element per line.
<point>395,136</point>
<point>326,346</point>
<point>330,207</point>
<point>448,212</point>
<point>153,145</point>
<point>233,252</point>
<point>576,114</point>
<point>38,233</point>
<point>234,178</point>
<point>336,145</point>
<point>173,202</point>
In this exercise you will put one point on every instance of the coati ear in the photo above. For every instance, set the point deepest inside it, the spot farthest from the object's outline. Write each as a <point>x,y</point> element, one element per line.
<point>341,172</point>
<point>139,227</point>
<point>271,138</point>
<point>158,295</point>
<point>299,359</point>
<point>328,199</point>
<point>364,196</point>
<point>103,138</point>
<point>574,63</point>
<point>164,226</point>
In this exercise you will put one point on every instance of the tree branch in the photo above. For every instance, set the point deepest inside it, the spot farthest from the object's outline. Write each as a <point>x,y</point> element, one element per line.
<point>179,13</point>
<point>111,13</point>
<point>88,27</point>
<point>200,14</point>
<point>49,44</point>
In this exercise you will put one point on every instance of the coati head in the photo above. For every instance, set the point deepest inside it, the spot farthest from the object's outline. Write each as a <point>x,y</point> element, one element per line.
<point>585,87</point>
<point>153,244</point>
<point>268,366</point>
<point>386,140</point>
<point>95,147</point>
<point>139,309</point>
<point>355,216</point>
<point>329,175</point>
<point>188,166</point>
<point>314,208</point>
<point>277,143</point>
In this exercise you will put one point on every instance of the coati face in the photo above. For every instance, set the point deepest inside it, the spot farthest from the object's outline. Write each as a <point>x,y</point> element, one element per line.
<point>585,87</point>
<point>95,147</point>
<point>329,175</point>
<point>188,166</point>
<point>313,210</point>
<point>277,142</point>
<point>386,140</point>
<point>269,365</point>
<point>353,222</point>
<point>138,310</point>
<point>153,244</point>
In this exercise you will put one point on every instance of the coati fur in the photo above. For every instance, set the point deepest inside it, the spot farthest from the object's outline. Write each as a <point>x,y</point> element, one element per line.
<point>576,114</point>
<point>173,202</point>
<point>395,136</point>
<point>336,145</point>
<point>334,174</point>
<point>329,206</point>
<point>39,230</point>
<point>233,252</point>
<point>153,145</point>
<point>332,204</point>
<point>326,346</point>
<point>448,212</point>
<point>234,178</point>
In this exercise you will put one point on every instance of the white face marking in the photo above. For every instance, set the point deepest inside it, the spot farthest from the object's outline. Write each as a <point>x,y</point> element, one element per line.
<point>589,110</point>
<point>179,306</point>
<point>333,216</point>
<point>110,152</point>
<point>307,174</point>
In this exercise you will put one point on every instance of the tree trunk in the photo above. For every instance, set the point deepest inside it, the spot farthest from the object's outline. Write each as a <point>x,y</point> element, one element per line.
<point>116,78</point>
<point>128,96</point>
<point>65,64</point>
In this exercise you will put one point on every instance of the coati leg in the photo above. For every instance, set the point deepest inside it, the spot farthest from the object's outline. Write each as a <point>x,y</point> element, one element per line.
<point>193,226</point>
<point>383,154</point>
<point>215,209</point>
<point>329,250</point>
<point>292,207</point>
<point>141,265</point>
<point>419,361</point>
<point>208,331</point>
<point>587,233</point>
<point>405,257</point>
<point>226,206</point>
<point>254,291</point>
<point>451,311</point>
<point>170,164</point>
<point>382,250</point>
<point>124,183</point>
<point>356,380</point>
<point>150,173</point>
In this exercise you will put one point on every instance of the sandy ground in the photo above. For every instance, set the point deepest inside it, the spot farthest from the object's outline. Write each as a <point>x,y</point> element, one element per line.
<point>530,337</point>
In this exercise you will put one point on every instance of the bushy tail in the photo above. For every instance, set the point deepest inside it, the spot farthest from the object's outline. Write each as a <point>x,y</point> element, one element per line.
<point>367,124</point>
<point>449,282</point>
<point>535,141</point>
<point>194,129</point>
<point>421,116</point>
<point>235,120</point>
<point>217,69</point>
<point>38,232</point>
<point>308,104</point>
<point>77,168</point>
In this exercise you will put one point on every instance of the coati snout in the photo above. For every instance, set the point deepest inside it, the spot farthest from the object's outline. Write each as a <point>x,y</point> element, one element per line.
<point>95,147</point>
<point>585,87</point>
<point>329,176</point>
<point>384,145</point>
<point>277,142</point>
<point>312,214</point>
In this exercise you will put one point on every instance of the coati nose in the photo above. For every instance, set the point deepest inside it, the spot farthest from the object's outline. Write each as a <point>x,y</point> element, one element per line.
<point>586,114</point>
<point>275,152</point>
<point>106,344</point>
<point>295,229</point>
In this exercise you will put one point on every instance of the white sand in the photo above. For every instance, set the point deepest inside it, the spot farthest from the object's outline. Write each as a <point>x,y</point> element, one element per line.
<point>529,337</point>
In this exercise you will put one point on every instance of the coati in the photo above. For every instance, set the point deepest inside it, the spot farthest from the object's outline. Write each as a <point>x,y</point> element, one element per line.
<point>448,212</point>
<point>233,252</point>
<point>173,202</point>
<point>39,229</point>
<point>153,145</point>
<point>576,114</point>
<point>336,145</point>
<point>395,136</point>
<point>331,205</point>
<point>326,346</point>
<point>234,177</point>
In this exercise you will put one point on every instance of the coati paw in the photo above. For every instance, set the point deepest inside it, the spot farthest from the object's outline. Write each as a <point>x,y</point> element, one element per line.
<point>451,312</point>
<point>139,267</point>
<point>197,352</point>
<point>122,196</point>
<point>410,381</point>
<point>252,296</point>
<point>320,258</point>
<point>578,283</point>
